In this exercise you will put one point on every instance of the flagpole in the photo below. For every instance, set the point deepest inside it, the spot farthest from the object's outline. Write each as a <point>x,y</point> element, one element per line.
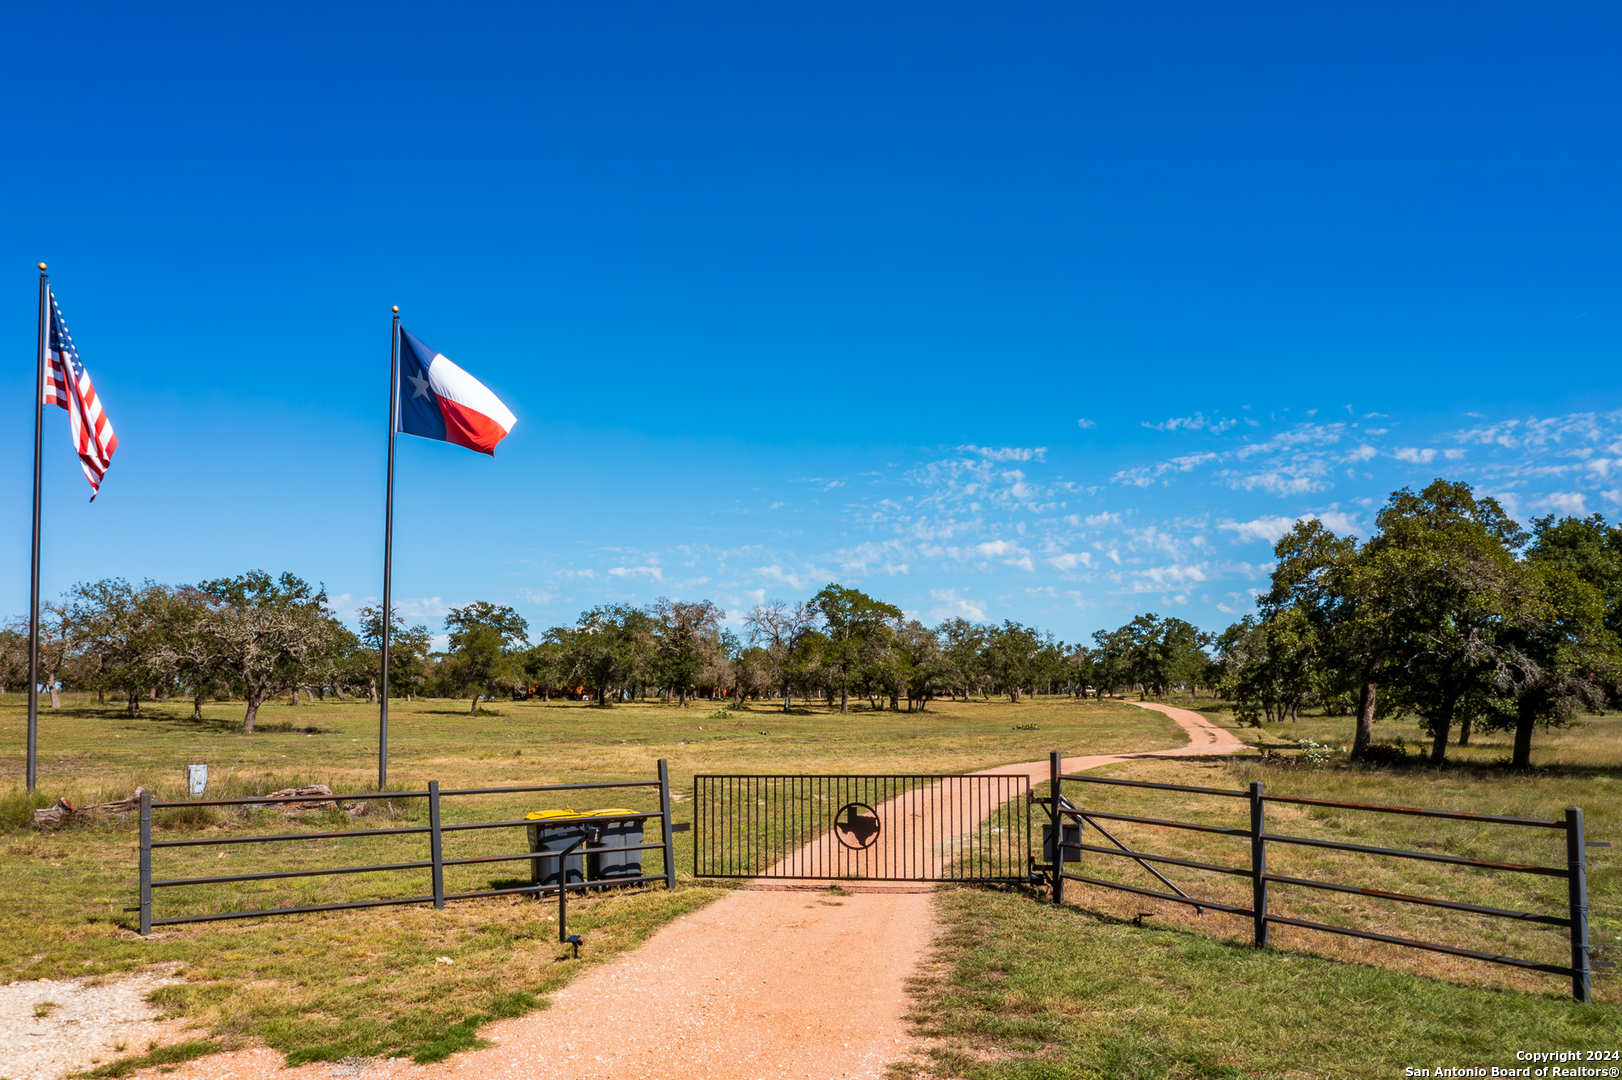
<point>33,570</point>
<point>388,554</point>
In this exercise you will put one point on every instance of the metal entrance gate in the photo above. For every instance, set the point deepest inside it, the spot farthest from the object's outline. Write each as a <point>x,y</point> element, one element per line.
<point>885,828</point>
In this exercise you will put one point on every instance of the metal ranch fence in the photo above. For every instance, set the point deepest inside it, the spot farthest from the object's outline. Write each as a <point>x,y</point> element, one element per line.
<point>435,863</point>
<point>1067,820</point>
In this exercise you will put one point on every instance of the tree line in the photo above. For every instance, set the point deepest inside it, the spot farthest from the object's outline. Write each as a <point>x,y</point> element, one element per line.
<point>1451,612</point>
<point>255,637</point>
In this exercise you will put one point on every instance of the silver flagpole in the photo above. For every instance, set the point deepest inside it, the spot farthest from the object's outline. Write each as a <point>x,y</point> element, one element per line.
<point>33,571</point>
<point>388,554</point>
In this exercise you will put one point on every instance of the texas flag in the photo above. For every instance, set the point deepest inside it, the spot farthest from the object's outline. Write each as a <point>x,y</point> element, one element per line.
<point>438,400</point>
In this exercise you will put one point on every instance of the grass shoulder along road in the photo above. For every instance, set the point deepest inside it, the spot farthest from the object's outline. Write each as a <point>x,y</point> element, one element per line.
<point>1123,986</point>
<point>1022,990</point>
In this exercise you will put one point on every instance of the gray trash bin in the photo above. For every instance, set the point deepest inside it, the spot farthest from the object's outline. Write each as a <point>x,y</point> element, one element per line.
<point>544,836</point>
<point>1072,835</point>
<point>616,833</point>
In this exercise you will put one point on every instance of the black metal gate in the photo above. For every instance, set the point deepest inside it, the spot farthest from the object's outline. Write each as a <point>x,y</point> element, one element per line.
<point>884,828</point>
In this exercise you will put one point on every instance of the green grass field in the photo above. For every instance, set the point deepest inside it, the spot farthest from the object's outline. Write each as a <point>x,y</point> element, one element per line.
<point>1049,990</point>
<point>1115,985</point>
<point>323,986</point>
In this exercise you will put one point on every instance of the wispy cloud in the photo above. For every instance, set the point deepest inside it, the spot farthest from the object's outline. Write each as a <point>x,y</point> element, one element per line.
<point>951,606</point>
<point>1197,422</point>
<point>1007,453</point>
<point>653,573</point>
<point>1038,532</point>
<point>1271,527</point>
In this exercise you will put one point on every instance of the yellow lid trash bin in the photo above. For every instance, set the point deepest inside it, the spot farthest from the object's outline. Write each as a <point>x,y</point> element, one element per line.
<point>554,831</point>
<point>610,859</point>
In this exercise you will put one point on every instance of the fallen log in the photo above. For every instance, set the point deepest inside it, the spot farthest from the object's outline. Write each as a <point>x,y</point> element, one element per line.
<point>297,807</point>
<point>64,811</point>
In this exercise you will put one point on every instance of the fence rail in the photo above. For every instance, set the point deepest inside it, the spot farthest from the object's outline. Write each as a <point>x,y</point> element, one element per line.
<point>435,863</point>
<point>1580,970</point>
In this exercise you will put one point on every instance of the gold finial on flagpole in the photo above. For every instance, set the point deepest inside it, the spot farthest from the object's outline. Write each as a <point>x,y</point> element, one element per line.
<point>42,270</point>
<point>396,306</point>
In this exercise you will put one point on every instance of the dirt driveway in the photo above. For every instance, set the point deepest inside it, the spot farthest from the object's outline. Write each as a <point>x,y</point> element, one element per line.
<point>776,980</point>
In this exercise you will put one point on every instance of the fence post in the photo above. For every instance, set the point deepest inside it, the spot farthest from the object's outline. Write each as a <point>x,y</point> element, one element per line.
<point>1258,863</point>
<point>1056,823</point>
<point>435,851</point>
<point>146,863</point>
<point>1577,893</point>
<point>664,810</point>
<point>563,895</point>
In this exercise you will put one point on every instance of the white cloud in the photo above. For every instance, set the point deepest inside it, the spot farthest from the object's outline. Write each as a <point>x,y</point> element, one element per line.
<point>1197,422</point>
<point>890,557</point>
<point>1097,520</point>
<point>1267,527</point>
<point>1300,435</point>
<point>1160,577</point>
<point>1414,455</point>
<point>1339,521</point>
<point>1007,453</point>
<point>1086,425</point>
<point>1301,478</point>
<point>1070,560</point>
<point>1570,503</point>
<point>652,573</point>
<point>1270,527</point>
<point>347,606</point>
<point>778,574</point>
<point>951,606</point>
<point>1144,475</point>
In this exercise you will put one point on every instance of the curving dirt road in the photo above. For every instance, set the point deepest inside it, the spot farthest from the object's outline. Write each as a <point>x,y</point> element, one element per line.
<point>771,981</point>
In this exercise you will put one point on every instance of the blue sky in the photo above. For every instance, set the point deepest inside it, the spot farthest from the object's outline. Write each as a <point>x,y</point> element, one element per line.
<point>1053,312</point>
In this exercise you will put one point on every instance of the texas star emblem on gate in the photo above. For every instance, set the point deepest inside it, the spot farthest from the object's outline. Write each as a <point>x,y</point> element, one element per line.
<point>855,830</point>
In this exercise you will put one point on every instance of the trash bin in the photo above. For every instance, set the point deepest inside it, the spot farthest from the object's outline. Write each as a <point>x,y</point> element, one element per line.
<point>556,837</point>
<point>1072,835</point>
<point>614,836</point>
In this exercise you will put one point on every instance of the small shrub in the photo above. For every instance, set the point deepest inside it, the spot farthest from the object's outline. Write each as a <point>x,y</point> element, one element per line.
<point>287,727</point>
<point>1386,753</point>
<point>17,807</point>
<point>185,818</point>
<point>1316,753</point>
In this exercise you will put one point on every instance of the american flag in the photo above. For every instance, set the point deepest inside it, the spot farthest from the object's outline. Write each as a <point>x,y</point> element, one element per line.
<point>67,384</point>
